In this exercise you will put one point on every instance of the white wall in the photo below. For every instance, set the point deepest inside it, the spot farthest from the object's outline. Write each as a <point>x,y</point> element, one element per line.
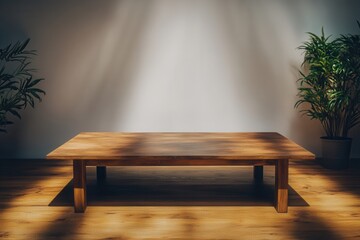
<point>162,65</point>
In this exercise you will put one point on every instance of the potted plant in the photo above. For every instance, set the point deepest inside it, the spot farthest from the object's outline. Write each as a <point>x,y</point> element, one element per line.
<point>18,87</point>
<point>329,88</point>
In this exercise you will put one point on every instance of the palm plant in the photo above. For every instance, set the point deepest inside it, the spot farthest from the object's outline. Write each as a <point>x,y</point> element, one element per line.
<point>331,85</point>
<point>17,84</point>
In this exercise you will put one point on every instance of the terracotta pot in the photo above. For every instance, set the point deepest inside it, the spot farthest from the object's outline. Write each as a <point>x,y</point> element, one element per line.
<point>335,152</point>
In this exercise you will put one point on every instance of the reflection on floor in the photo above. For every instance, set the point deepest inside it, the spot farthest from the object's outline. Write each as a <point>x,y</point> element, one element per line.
<point>177,203</point>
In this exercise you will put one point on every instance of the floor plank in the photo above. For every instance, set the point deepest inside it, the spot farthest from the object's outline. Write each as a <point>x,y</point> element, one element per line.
<point>177,203</point>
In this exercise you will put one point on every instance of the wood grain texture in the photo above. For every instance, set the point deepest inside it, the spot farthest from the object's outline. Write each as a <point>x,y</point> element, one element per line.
<point>179,162</point>
<point>179,149</point>
<point>79,171</point>
<point>281,185</point>
<point>179,146</point>
<point>217,203</point>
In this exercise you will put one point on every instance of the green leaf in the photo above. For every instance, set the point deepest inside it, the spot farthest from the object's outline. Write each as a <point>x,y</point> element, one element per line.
<point>330,89</point>
<point>17,86</point>
<point>15,113</point>
<point>34,82</point>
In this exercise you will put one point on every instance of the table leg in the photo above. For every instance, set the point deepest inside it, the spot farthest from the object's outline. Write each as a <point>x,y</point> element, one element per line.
<point>79,186</point>
<point>258,173</point>
<point>281,185</point>
<point>101,174</point>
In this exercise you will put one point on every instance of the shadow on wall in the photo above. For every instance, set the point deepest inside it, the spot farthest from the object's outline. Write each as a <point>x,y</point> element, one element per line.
<point>162,66</point>
<point>355,148</point>
<point>257,82</point>
<point>97,90</point>
<point>114,66</point>
<point>308,132</point>
<point>265,72</point>
<point>302,129</point>
<point>10,142</point>
<point>81,96</point>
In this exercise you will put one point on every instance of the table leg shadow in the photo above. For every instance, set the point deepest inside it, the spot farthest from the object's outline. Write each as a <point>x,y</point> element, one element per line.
<point>160,191</point>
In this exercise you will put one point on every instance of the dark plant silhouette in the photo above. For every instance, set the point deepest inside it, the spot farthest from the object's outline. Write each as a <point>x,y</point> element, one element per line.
<point>18,87</point>
<point>331,87</point>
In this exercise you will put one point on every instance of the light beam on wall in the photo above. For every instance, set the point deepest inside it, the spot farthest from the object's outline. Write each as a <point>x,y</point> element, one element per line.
<point>167,66</point>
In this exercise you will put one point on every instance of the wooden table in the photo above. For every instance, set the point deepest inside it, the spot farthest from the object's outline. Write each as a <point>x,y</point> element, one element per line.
<point>103,149</point>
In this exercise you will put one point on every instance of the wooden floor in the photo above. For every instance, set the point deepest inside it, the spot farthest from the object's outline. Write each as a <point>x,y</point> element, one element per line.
<point>177,203</point>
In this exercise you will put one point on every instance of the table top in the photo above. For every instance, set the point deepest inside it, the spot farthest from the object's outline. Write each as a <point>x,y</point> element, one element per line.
<point>199,145</point>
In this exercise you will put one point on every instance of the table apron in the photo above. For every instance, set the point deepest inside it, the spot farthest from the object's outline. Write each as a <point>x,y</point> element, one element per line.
<point>180,162</point>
